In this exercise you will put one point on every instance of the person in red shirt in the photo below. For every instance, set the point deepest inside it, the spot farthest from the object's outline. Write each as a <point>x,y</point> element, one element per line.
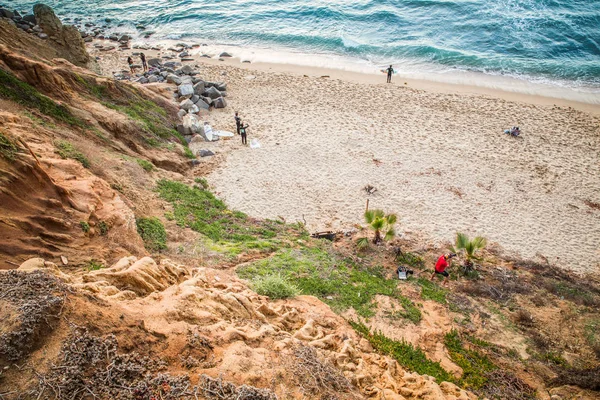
<point>441,265</point>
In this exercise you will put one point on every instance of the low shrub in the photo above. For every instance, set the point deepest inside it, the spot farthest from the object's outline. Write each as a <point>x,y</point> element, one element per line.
<point>146,165</point>
<point>275,287</point>
<point>85,227</point>
<point>153,233</point>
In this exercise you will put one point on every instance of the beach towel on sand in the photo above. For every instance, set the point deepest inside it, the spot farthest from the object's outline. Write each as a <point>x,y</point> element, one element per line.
<point>254,144</point>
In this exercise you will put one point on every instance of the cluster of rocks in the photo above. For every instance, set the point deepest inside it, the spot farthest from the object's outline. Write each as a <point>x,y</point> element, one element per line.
<point>46,25</point>
<point>26,22</point>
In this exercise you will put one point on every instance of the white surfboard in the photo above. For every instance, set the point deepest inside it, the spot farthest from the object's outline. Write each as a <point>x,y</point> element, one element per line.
<point>223,134</point>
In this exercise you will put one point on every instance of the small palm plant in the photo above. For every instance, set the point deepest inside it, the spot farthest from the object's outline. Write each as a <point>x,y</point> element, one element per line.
<point>379,222</point>
<point>469,248</point>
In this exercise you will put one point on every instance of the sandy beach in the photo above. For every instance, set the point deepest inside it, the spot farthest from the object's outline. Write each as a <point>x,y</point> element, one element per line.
<point>436,154</point>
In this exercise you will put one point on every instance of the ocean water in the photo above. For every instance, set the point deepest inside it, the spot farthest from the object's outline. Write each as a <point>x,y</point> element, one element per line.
<point>551,44</point>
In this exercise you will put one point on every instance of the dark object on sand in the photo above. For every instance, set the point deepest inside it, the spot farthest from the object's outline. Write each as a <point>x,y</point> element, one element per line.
<point>370,189</point>
<point>329,235</point>
<point>403,272</point>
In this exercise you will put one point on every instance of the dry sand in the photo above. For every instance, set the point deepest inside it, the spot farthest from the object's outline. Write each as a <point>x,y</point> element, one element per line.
<point>438,158</point>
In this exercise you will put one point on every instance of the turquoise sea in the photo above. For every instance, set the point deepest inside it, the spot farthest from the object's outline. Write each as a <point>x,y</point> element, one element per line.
<point>555,43</point>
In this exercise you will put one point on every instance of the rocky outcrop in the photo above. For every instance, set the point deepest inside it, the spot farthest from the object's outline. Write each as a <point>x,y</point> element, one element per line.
<point>63,35</point>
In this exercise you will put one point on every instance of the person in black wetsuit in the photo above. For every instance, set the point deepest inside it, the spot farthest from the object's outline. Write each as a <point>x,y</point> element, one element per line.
<point>238,122</point>
<point>243,132</point>
<point>390,71</point>
<point>144,63</point>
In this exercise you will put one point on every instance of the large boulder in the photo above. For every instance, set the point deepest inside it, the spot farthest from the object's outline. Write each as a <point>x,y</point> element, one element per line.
<point>186,105</point>
<point>199,88</point>
<point>154,62</point>
<point>220,86</point>
<point>67,36</point>
<point>219,103</point>
<point>186,69</point>
<point>212,92</point>
<point>185,90</point>
<point>192,123</point>
<point>202,105</point>
<point>30,18</point>
<point>171,78</point>
<point>4,13</point>
<point>47,20</point>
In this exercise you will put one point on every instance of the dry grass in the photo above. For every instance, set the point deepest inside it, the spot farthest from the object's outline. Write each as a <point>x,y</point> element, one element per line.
<point>524,318</point>
<point>38,299</point>
<point>314,375</point>
<point>584,378</point>
<point>505,385</point>
<point>217,389</point>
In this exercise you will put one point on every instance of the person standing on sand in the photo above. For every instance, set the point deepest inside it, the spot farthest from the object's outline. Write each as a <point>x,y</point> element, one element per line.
<point>441,265</point>
<point>130,62</point>
<point>144,64</point>
<point>238,122</point>
<point>243,132</point>
<point>390,71</point>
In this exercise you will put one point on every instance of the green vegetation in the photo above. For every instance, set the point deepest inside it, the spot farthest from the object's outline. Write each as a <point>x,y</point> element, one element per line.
<point>153,233</point>
<point>85,227</point>
<point>201,211</point>
<point>66,150</point>
<point>411,259</point>
<point>379,222</point>
<point>338,282</point>
<point>26,95</point>
<point>8,148</point>
<point>203,182</point>
<point>592,335</point>
<point>94,265</point>
<point>411,312</point>
<point>103,227</point>
<point>188,153</point>
<point>149,114</point>
<point>475,365</point>
<point>431,291</point>
<point>407,355</point>
<point>275,286</point>
<point>146,165</point>
<point>98,90</point>
<point>469,248</point>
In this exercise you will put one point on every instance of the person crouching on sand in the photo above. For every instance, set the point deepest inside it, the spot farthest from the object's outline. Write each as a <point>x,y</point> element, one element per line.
<point>441,265</point>
<point>243,132</point>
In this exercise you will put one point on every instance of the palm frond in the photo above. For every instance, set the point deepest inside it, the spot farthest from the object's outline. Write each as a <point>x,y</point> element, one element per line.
<point>390,234</point>
<point>391,219</point>
<point>362,243</point>
<point>369,216</point>
<point>461,240</point>
<point>479,242</point>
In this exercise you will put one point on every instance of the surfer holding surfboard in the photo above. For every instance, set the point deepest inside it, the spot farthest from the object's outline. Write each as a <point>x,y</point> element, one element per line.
<point>389,71</point>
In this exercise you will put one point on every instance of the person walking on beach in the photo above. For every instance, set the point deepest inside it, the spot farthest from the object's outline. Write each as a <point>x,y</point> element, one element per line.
<point>130,62</point>
<point>238,122</point>
<point>144,63</point>
<point>441,265</point>
<point>390,71</point>
<point>243,132</point>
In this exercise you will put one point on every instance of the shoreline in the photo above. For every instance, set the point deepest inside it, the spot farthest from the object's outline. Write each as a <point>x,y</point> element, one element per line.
<point>413,83</point>
<point>368,76</point>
